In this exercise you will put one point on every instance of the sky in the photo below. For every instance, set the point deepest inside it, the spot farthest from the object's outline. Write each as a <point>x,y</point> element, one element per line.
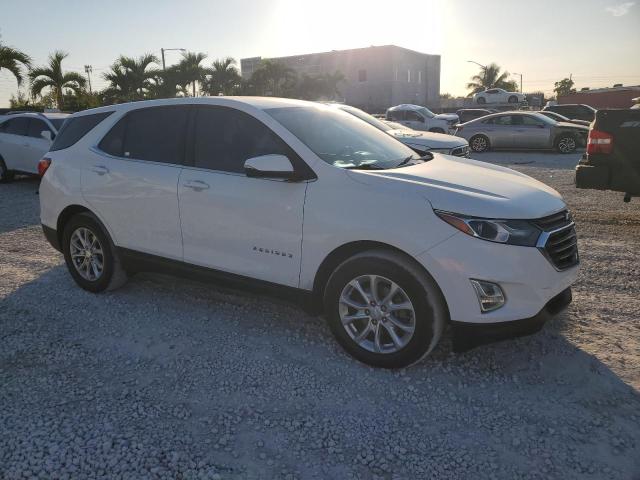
<point>596,41</point>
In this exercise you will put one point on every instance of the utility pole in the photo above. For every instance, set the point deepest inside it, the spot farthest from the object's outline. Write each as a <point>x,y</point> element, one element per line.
<point>89,70</point>
<point>520,80</point>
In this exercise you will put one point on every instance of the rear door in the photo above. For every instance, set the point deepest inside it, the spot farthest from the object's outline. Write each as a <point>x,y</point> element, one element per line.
<point>131,179</point>
<point>37,145</point>
<point>231,222</point>
<point>499,131</point>
<point>13,142</point>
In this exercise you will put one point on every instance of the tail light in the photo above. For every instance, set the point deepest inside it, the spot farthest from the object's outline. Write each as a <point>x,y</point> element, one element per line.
<point>599,142</point>
<point>43,165</point>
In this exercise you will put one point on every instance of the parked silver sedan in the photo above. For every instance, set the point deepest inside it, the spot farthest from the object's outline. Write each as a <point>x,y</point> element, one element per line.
<point>527,130</point>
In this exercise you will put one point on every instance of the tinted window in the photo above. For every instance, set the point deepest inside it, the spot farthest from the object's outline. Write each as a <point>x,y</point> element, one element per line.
<point>113,142</point>
<point>225,138</point>
<point>501,120</point>
<point>531,121</point>
<point>156,134</point>
<point>16,126</point>
<point>396,115</point>
<point>36,127</point>
<point>57,122</point>
<point>414,116</point>
<point>74,128</point>
<point>492,91</point>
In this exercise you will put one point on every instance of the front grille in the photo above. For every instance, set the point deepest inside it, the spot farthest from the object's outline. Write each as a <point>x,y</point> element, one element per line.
<point>462,151</point>
<point>559,242</point>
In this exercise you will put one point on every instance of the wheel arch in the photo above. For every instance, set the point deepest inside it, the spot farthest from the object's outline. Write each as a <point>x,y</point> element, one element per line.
<point>67,214</point>
<point>344,252</point>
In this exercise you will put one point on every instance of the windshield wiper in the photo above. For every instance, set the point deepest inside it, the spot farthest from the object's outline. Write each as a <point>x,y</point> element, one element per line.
<point>424,158</point>
<point>364,166</point>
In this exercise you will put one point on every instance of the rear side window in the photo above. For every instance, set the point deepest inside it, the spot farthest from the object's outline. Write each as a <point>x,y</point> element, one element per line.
<point>396,115</point>
<point>414,116</point>
<point>36,127</point>
<point>16,126</point>
<point>156,134</point>
<point>75,128</point>
<point>225,138</point>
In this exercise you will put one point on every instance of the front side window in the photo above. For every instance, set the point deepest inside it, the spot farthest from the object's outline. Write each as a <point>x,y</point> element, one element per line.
<point>342,140</point>
<point>225,138</point>
<point>155,134</point>
<point>36,127</point>
<point>16,126</point>
<point>413,116</point>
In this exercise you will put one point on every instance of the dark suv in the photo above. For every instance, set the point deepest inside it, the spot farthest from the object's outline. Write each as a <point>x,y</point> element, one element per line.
<point>574,111</point>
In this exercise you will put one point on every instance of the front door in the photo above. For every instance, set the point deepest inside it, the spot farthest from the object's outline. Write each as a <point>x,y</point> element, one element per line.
<point>231,222</point>
<point>131,180</point>
<point>530,132</point>
<point>13,142</point>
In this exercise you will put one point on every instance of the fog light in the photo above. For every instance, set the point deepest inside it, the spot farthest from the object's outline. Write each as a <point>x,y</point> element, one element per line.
<point>489,295</point>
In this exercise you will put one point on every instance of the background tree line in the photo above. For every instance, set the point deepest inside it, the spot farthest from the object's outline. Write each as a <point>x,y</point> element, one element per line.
<point>131,79</point>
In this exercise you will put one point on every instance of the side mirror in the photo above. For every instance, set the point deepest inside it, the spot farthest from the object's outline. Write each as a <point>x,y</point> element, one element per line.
<point>269,166</point>
<point>46,134</point>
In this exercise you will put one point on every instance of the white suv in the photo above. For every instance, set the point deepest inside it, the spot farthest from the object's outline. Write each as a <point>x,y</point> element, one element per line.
<point>421,118</point>
<point>308,198</point>
<point>24,138</point>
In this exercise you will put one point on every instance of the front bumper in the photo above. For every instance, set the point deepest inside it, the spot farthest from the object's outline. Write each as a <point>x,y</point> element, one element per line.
<point>469,335</point>
<point>528,280</point>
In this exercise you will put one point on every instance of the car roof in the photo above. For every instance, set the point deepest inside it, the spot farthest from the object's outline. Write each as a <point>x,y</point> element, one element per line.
<point>406,106</point>
<point>262,103</point>
<point>49,115</point>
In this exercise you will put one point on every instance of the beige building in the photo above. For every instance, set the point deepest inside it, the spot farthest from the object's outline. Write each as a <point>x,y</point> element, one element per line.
<point>376,77</point>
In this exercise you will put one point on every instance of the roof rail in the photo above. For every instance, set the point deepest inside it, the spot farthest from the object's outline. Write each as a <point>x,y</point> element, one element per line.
<point>19,112</point>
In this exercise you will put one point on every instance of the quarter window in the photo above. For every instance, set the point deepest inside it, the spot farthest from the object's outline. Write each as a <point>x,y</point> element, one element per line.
<point>225,138</point>
<point>74,128</point>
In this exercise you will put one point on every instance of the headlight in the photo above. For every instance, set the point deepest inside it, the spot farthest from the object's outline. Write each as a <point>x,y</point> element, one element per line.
<point>513,232</point>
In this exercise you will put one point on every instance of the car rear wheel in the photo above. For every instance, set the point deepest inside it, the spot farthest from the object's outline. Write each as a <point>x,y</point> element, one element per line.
<point>5,174</point>
<point>566,144</point>
<point>384,310</point>
<point>90,254</point>
<point>513,99</point>
<point>482,100</point>
<point>479,143</point>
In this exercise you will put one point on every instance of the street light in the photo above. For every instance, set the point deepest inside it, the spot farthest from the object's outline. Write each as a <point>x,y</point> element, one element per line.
<point>479,64</point>
<point>514,73</point>
<point>166,50</point>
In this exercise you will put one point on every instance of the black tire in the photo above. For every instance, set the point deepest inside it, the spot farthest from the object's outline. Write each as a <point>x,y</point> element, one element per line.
<point>512,99</point>
<point>436,130</point>
<point>479,143</point>
<point>481,100</point>
<point>566,143</point>
<point>112,275</point>
<point>6,175</point>
<point>428,303</point>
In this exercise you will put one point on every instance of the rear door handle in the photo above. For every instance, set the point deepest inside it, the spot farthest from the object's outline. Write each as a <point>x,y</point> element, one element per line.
<point>196,185</point>
<point>99,169</point>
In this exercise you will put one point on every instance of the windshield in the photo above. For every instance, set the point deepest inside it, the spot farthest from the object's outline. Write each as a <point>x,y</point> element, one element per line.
<point>426,112</point>
<point>342,140</point>
<point>366,117</point>
<point>57,122</point>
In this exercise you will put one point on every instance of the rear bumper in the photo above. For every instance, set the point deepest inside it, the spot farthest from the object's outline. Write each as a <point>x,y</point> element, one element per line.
<point>469,335</point>
<point>52,237</point>
<point>603,173</point>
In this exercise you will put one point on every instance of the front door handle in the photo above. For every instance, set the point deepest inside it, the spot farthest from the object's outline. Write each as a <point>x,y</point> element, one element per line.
<point>99,169</point>
<point>196,185</point>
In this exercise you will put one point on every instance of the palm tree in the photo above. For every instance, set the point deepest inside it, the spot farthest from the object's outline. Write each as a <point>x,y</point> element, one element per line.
<point>10,58</point>
<point>490,77</point>
<point>224,78</point>
<point>190,69</point>
<point>54,77</point>
<point>273,78</point>
<point>129,78</point>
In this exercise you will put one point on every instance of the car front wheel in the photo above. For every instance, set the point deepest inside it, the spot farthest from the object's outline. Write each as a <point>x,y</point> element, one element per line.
<point>90,254</point>
<point>479,143</point>
<point>384,310</point>
<point>5,174</point>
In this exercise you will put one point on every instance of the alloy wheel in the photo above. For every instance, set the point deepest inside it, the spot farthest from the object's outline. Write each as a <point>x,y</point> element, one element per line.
<point>86,253</point>
<point>567,144</point>
<point>377,314</point>
<point>479,144</point>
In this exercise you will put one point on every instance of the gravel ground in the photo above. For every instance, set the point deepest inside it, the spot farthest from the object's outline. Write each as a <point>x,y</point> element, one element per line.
<point>174,379</point>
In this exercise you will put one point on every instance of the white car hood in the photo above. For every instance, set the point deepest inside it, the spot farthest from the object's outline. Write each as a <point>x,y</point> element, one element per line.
<point>427,139</point>
<point>470,187</point>
<point>448,116</point>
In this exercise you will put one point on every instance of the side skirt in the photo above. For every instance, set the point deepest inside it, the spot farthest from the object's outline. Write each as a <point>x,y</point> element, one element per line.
<point>134,261</point>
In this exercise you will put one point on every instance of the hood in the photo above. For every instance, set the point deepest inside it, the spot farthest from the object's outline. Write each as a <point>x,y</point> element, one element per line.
<point>427,139</point>
<point>448,116</point>
<point>470,187</point>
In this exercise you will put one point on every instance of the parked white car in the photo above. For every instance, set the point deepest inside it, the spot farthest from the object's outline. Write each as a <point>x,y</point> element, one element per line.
<point>421,118</point>
<point>24,139</point>
<point>498,95</point>
<point>419,141</point>
<point>310,199</point>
